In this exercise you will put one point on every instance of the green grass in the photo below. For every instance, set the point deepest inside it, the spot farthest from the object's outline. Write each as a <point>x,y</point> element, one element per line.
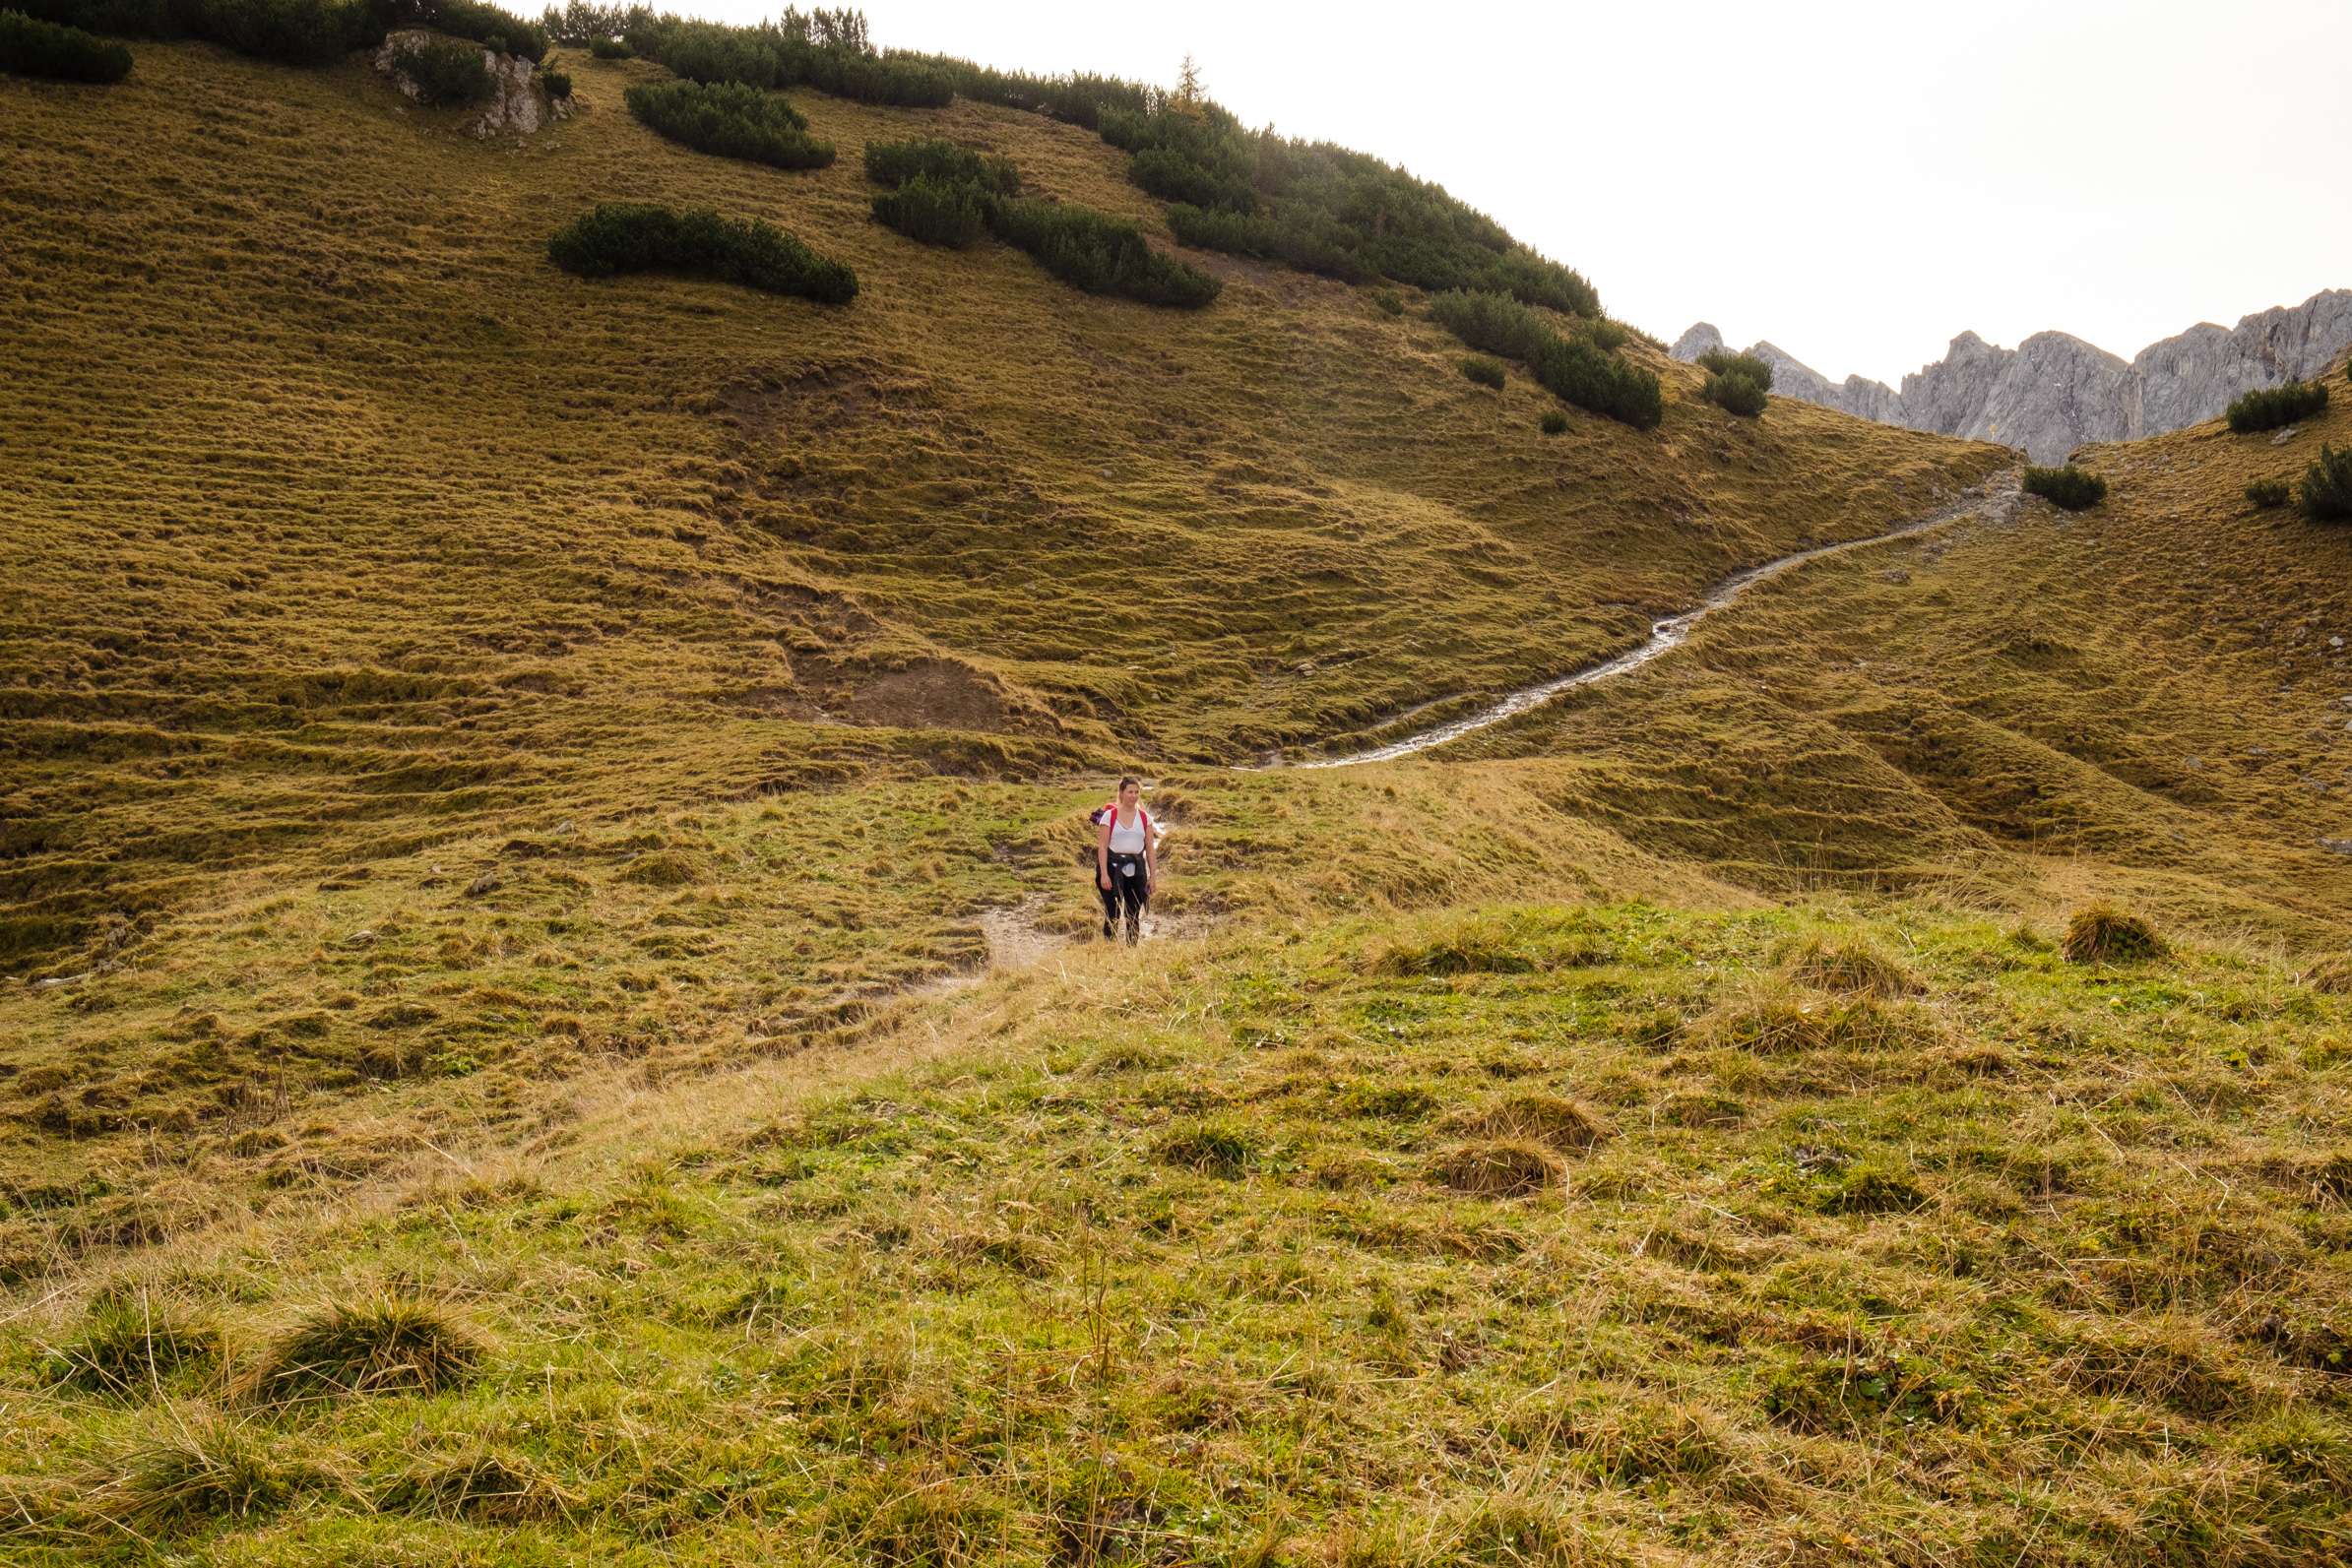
<point>1104,1273</point>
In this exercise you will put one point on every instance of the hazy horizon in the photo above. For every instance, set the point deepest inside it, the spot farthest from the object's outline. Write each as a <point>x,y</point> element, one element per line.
<point>2030,166</point>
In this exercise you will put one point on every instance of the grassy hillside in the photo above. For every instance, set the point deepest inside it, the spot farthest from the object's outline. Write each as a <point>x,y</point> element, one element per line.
<point>346,521</point>
<point>551,1014</point>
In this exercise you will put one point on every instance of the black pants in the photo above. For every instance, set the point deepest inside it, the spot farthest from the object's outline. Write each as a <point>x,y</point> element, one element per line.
<point>1130,890</point>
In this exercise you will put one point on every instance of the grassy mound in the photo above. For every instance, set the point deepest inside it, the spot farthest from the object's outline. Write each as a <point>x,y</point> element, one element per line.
<point>384,1345</point>
<point>2101,933</point>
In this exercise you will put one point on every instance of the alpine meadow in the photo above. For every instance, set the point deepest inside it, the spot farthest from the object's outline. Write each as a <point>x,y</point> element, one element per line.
<point>1727,983</point>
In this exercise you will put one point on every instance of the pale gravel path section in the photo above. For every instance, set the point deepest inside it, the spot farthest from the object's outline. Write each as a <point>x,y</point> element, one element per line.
<point>1995,500</point>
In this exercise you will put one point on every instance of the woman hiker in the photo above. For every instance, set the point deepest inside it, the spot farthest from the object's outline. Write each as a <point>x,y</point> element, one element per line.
<point>1125,858</point>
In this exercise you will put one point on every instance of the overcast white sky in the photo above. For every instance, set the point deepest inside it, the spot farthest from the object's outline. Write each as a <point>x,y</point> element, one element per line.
<point>1856,181</point>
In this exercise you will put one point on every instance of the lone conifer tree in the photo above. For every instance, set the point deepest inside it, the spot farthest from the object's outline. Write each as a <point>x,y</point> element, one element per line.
<point>1186,100</point>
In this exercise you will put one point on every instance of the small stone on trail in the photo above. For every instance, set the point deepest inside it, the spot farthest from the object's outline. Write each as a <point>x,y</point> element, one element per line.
<point>487,882</point>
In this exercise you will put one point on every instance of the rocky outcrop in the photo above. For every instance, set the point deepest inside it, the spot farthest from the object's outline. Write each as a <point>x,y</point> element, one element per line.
<point>516,105</point>
<point>2053,391</point>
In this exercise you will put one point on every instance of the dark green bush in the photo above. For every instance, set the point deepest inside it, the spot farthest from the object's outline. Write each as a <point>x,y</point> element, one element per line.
<point>1099,253</point>
<point>1736,391</point>
<point>2272,406</point>
<point>445,69</point>
<point>729,120</point>
<point>1570,369</point>
<point>128,19</point>
<point>2068,487</point>
<point>1724,362</point>
<point>29,47</point>
<point>1605,335</point>
<point>1295,239</point>
<point>1554,422</point>
<point>1388,302</point>
<point>952,213</point>
<point>2263,494</point>
<point>1486,372</point>
<point>293,32</point>
<point>487,24</point>
<point>611,50</point>
<point>797,50</point>
<point>633,237</point>
<point>945,162</point>
<point>557,82</point>
<point>2326,488</point>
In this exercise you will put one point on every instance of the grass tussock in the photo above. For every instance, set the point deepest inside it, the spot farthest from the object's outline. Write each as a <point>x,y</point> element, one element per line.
<point>1498,1168</point>
<point>2103,933</point>
<point>381,1345</point>
<point>1845,967</point>
<point>1553,1121</point>
<point>133,1344</point>
<point>190,1476</point>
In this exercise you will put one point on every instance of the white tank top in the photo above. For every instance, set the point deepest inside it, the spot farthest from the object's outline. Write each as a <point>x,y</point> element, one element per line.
<point>1126,838</point>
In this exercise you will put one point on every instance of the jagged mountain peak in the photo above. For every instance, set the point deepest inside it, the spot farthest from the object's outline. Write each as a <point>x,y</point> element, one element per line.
<point>2054,391</point>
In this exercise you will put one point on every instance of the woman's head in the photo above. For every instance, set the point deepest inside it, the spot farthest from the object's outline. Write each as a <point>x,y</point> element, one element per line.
<point>1130,789</point>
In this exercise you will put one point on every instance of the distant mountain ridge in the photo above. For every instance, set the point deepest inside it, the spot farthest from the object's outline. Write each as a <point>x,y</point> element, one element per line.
<point>2054,392</point>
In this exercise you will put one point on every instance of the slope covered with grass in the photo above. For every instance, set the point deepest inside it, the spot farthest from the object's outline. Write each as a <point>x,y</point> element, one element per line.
<point>548,1013</point>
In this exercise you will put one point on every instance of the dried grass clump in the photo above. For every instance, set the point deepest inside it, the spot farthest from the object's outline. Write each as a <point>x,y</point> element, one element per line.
<point>194,1473</point>
<point>387,1345</point>
<point>1498,1170</point>
<point>1846,967</point>
<point>667,868</point>
<point>132,1345</point>
<point>1553,1121</point>
<point>2331,973</point>
<point>2103,933</point>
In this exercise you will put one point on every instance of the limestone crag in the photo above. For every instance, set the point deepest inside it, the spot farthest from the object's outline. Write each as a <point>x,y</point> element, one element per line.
<point>517,106</point>
<point>2053,391</point>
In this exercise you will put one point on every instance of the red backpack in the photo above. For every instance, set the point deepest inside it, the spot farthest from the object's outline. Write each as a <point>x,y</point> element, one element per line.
<point>1108,812</point>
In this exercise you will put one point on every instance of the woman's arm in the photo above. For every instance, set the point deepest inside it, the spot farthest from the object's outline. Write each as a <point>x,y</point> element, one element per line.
<point>1151,856</point>
<point>1102,851</point>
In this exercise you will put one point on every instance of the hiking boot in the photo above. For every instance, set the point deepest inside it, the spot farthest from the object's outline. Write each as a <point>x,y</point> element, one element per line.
<point>1108,932</point>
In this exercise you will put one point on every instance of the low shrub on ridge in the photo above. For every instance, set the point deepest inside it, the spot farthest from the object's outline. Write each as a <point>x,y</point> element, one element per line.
<point>2068,487</point>
<point>611,50</point>
<point>937,212</point>
<point>29,47</point>
<point>636,237</point>
<point>446,71</point>
<point>2263,494</point>
<point>1724,362</point>
<point>894,163</point>
<point>728,119</point>
<point>2268,407</point>
<point>1099,253</point>
<point>1486,372</point>
<point>1736,391</point>
<point>2326,488</point>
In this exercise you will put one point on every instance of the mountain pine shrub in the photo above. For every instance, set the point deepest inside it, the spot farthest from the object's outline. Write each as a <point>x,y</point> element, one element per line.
<point>635,238</point>
<point>2326,488</point>
<point>1554,422</point>
<point>2263,494</point>
<point>943,161</point>
<point>1388,302</point>
<point>29,47</point>
<point>2070,487</point>
<point>2271,406</point>
<point>1723,363</point>
<point>937,212</point>
<point>1295,239</point>
<point>1571,370</point>
<point>729,120</point>
<point>1736,391</point>
<point>1605,335</point>
<point>1486,372</point>
<point>557,82</point>
<point>611,50</point>
<point>501,31</point>
<point>1099,253</point>
<point>446,71</point>
<point>798,50</point>
<point>290,32</point>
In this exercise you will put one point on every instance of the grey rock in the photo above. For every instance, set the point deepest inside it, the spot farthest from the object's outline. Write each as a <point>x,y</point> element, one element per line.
<point>517,103</point>
<point>2053,391</point>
